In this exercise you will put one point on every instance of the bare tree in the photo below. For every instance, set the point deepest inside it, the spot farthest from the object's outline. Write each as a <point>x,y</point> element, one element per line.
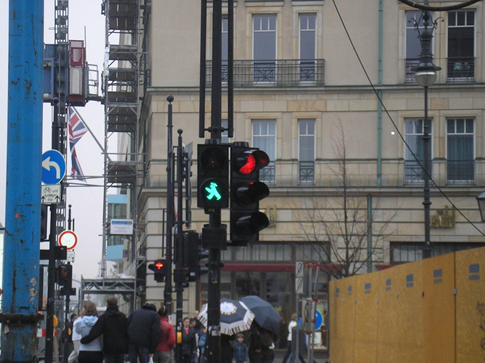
<point>339,223</point>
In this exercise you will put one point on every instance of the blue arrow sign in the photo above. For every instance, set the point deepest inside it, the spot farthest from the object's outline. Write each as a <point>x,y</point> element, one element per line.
<point>53,167</point>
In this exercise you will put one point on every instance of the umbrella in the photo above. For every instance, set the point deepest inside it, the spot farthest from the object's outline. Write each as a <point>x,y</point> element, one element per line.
<point>264,314</point>
<point>235,317</point>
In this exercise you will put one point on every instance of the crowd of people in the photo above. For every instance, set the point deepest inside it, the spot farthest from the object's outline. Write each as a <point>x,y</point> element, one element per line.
<point>146,336</point>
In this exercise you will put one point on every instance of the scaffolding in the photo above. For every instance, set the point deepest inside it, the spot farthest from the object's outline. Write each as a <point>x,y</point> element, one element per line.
<point>120,85</point>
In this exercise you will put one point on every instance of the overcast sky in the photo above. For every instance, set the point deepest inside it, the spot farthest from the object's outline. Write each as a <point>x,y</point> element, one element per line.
<point>85,20</point>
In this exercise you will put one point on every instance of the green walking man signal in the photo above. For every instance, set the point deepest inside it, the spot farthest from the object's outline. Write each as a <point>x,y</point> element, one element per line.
<point>213,192</point>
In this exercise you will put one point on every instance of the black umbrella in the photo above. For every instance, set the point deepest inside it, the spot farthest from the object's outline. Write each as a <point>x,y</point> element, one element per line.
<point>264,313</point>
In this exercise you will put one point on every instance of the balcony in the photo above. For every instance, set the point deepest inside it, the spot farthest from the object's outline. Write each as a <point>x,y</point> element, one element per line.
<point>267,174</point>
<point>413,172</point>
<point>277,73</point>
<point>307,171</point>
<point>460,171</point>
<point>461,69</point>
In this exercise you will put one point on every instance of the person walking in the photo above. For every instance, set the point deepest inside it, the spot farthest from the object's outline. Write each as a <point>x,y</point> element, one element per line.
<point>201,344</point>
<point>91,352</point>
<point>167,338</point>
<point>188,342</point>
<point>143,333</point>
<point>293,323</point>
<point>240,350</point>
<point>113,325</point>
<point>76,340</point>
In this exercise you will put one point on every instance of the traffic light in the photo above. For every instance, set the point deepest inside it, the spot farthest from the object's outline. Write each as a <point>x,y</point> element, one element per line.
<point>159,269</point>
<point>43,222</point>
<point>194,256</point>
<point>64,275</point>
<point>246,192</point>
<point>212,176</point>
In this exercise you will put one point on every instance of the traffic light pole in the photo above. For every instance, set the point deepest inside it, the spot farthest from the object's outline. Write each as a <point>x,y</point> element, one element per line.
<point>49,341</point>
<point>170,212</point>
<point>179,273</point>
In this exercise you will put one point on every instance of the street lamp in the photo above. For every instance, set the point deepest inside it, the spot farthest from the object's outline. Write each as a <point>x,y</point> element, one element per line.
<point>481,205</point>
<point>425,75</point>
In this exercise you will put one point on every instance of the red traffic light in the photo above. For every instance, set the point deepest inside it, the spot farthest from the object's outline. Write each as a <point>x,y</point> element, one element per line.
<point>159,265</point>
<point>251,160</point>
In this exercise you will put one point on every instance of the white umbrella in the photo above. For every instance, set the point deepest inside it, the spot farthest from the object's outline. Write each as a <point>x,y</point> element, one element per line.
<point>235,317</point>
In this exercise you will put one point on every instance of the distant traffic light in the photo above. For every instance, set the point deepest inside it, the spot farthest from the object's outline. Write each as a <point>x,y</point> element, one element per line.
<point>43,222</point>
<point>64,275</point>
<point>246,192</point>
<point>212,177</point>
<point>194,256</point>
<point>159,268</point>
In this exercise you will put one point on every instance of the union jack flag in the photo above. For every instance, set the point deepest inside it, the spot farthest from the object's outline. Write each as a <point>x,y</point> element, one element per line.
<point>77,129</point>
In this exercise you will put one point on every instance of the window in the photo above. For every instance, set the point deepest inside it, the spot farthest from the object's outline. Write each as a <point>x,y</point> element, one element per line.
<point>410,252</point>
<point>414,129</point>
<point>461,45</point>
<point>307,47</point>
<point>271,252</point>
<point>316,252</point>
<point>306,138</point>
<point>264,138</point>
<point>413,43</point>
<point>264,48</point>
<point>460,149</point>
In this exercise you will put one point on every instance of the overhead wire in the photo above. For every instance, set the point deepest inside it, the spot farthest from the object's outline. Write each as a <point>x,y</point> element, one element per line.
<point>394,124</point>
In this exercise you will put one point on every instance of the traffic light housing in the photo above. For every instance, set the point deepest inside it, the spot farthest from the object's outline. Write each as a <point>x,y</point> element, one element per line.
<point>246,192</point>
<point>194,256</point>
<point>43,222</point>
<point>212,176</point>
<point>159,270</point>
<point>64,275</point>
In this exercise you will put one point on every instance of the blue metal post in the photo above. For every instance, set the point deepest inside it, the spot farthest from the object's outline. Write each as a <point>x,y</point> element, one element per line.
<point>24,149</point>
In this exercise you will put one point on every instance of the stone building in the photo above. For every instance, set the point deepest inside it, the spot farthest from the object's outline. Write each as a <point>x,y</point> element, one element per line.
<point>302,95</point>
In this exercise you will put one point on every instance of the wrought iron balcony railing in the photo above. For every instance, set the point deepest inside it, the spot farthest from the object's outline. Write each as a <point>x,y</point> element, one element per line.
<point>460,170</point>
<point>413,171</point>
<point>267,174</point>
<point>461,69</point>
<point>277,73</point>
<point>307,171</point>
<point>411,63</point>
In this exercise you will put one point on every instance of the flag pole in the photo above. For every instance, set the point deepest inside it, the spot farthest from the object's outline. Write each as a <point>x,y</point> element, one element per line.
<point>94,137</point>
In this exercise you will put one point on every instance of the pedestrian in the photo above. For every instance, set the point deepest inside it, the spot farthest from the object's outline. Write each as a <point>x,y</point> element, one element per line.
<point>293,323</point>
<point>167,338</point>
<point>193,326</point>
<point>143,333</point>
<point>227,351</point>
<point>113,325</point>
<point>198,324</point>
<point>255,347</point>
<point>76,340</point>
<point>91,352</point>
<point>188,342</point>
<point>240,350</point>
<point>67,335</point>
<point>201,344</point>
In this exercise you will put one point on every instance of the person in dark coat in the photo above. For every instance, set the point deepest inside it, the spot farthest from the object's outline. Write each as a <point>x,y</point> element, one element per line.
<point>144,333</point>
<point>113,325</point>
<point>189,346</point>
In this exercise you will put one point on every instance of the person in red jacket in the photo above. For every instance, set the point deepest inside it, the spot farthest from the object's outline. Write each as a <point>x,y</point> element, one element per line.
<point>167,338</point>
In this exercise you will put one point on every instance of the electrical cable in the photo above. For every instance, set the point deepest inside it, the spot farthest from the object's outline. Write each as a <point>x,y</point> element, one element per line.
<point>395,126</point>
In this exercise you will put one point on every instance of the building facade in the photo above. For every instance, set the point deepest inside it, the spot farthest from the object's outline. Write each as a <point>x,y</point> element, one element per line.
<point>341,176</point>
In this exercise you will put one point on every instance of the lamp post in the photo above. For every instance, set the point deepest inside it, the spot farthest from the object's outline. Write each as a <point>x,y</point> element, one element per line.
<point>425,74</point>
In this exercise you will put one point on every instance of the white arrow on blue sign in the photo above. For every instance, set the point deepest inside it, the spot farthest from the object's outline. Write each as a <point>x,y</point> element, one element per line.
<point>53,167</point>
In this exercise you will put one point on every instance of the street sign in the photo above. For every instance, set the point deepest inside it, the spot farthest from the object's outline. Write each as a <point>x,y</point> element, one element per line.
<point>299,269</point>
<point>121,226</point>
<point>53,167</point>
<point>299,285</point>
<point>68,239</point>
<point>70,256</point>
<point>51,194</point>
